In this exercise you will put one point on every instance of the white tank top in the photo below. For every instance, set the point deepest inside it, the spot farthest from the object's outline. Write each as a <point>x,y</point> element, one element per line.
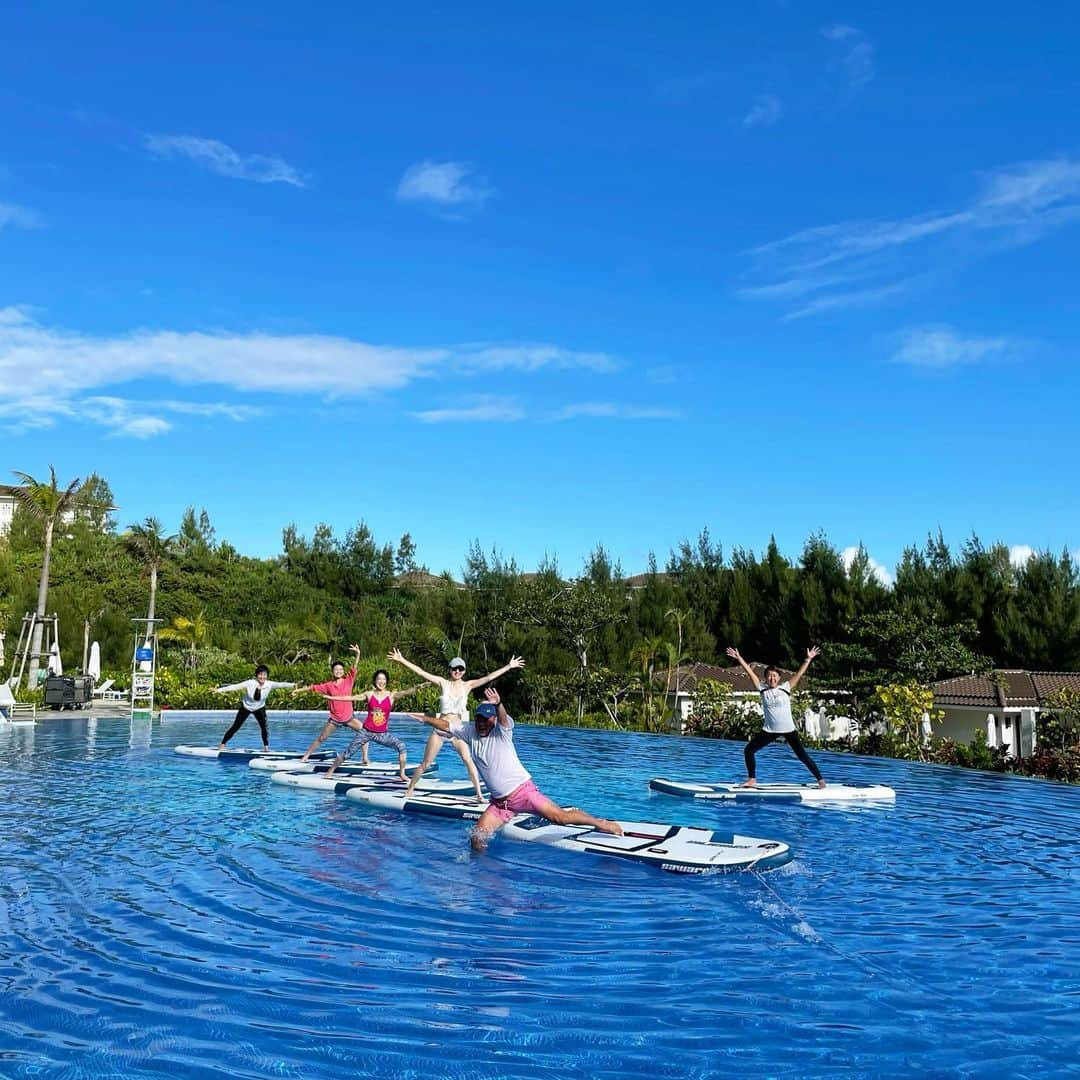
<point>454,699</point>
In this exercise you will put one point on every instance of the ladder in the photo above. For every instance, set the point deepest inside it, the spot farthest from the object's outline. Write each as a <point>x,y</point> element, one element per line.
<point>22,653</point>
<point>143,668</point>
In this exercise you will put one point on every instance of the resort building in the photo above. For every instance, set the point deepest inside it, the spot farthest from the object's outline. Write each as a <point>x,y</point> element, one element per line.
<point>1004,705</point>
<point>9,503</point>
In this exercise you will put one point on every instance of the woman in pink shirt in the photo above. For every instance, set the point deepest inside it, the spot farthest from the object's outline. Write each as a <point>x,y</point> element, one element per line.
<point>341,710</point>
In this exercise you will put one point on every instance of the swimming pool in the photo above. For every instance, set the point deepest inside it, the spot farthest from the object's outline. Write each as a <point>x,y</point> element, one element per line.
<point>162,915</point>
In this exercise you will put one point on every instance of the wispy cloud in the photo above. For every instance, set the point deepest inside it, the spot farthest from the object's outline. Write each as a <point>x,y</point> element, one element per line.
<point>446,185</point>
<point>856,53</point>
<point>18,216</point>
<point>765,111</point>
<point>220,158</point>
<point>473,410</point>
<point>47,373</point>
<point>613,411</point>
<point>883,258</point>
<point>937,348</point>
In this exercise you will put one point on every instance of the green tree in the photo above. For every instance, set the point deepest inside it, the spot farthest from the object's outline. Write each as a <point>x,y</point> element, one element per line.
<point>47,504</point>
<point>194,632</point>
<point>149,544</point>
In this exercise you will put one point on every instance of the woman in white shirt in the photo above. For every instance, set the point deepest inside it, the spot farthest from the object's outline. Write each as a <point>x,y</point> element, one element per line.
<point>253,703</point>
<point>778,722</point>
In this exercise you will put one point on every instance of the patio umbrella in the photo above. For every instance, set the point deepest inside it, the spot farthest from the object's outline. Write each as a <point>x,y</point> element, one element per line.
<point>93,665</point>
<point>56,665</point>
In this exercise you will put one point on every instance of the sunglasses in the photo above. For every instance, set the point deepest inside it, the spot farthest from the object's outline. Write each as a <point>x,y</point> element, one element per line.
<point>457,669</point>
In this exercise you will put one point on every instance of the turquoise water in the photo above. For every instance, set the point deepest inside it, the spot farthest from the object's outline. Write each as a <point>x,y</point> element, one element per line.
<point>162,915</point>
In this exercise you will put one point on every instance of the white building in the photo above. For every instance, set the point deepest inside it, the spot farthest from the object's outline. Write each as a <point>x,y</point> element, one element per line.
<point>1004,706</point>
<point>9,503</point>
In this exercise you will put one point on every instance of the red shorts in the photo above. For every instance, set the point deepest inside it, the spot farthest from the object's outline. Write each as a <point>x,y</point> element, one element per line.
<point>527,798</point>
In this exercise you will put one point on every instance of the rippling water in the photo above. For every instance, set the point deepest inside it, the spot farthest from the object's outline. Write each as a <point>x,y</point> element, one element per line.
<point>163,915</point>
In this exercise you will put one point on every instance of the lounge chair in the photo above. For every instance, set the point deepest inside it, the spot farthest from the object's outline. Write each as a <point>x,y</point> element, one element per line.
<point>102,691</point>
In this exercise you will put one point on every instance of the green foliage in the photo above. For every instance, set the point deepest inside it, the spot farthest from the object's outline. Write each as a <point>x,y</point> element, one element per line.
<point>902,706</point>
<point>978,755</point>
<point>1059,722</point>
<point>720,714</point>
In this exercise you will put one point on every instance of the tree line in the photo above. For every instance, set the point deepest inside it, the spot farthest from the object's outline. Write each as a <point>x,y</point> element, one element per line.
<point>596,639</point>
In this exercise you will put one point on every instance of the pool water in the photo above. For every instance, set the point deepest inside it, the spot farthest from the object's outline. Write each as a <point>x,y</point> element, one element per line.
<point>163,915</point>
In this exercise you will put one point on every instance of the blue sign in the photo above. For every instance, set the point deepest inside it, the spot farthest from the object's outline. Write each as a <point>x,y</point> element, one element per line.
<point>143,652</point>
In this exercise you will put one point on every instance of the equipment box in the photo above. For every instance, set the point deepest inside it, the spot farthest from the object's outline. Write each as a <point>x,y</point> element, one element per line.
<point>68,691</point>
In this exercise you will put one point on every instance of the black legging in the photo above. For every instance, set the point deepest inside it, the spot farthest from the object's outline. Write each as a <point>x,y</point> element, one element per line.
<point>241,715</point>
<point>763,738</point>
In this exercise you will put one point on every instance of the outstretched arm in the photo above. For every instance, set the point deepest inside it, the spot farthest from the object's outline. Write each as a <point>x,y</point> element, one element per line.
<point>515,662</point>
<point>432,721</point>
<point>491,695</point>
<point>810,654</point>
<point>750,673</point>
<point>395,655</point>
<point>231,686</point>
<point>407,692</point>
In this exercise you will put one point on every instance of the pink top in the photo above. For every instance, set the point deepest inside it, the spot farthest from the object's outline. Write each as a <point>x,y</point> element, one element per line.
<point>339,710</point>
<point>378,713</point>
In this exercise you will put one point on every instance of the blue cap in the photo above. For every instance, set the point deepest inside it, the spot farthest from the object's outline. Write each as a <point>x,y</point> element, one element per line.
<point>486,711</point>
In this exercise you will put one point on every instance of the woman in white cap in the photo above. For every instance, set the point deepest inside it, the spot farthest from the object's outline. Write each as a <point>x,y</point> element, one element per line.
<point>453,707</point>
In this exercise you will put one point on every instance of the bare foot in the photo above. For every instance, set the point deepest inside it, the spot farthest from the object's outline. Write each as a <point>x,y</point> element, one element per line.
<point>221,746</point>
<point>402,776</point>
<point>612,827</point>
<point>748,783</point>
<point>821,783</point>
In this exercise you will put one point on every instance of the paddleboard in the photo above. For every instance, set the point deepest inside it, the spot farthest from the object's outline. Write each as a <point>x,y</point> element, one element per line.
<point>321,761</point>
<point>247,754</point>
<point>787,793</point>
<point>679,849</point>
<point>342,782</point>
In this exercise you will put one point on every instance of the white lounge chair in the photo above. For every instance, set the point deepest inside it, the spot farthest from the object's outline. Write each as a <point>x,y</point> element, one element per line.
<point>102,691</point>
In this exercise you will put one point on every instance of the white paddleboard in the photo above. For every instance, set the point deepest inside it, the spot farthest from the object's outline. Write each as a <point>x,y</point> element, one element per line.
<point>787,793</point>
<point>247,754</point>
<point>678,849</point>
<point>342,782</point>
<point>321,761</point>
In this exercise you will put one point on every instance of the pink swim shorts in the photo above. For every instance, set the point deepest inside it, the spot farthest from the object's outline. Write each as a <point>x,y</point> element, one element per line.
<point>526,798</point>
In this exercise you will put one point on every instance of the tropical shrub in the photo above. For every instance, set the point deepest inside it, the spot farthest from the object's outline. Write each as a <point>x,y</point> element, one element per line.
<point>719,714</point>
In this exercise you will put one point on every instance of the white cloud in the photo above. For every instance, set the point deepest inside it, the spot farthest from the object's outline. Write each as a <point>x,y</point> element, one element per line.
<point>614,411</point>
<point>473,410</point>
<point>19,216</point>
<point>1016,205</point>
<point>765,112</point>
<point>848,556</point>
<point>943,347</point>
<point>46,373</point>
<point>530,358</point>
<point>224,160</point>
<point>446,184</point>
<point>1019,554</point>
<point>857,53</point>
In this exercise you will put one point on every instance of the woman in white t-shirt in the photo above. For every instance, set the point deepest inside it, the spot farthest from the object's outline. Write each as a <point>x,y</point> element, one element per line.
<point>776,705</point>
<point>253,703</point>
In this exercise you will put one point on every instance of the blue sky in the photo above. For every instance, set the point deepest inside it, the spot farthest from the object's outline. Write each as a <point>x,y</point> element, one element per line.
<point>548,277</point>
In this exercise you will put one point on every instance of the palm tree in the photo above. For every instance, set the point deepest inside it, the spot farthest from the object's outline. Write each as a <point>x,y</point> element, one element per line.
<point>646,652</point>
<point>148,543</point>
<point>48,503</point>
<point>194,632</point>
